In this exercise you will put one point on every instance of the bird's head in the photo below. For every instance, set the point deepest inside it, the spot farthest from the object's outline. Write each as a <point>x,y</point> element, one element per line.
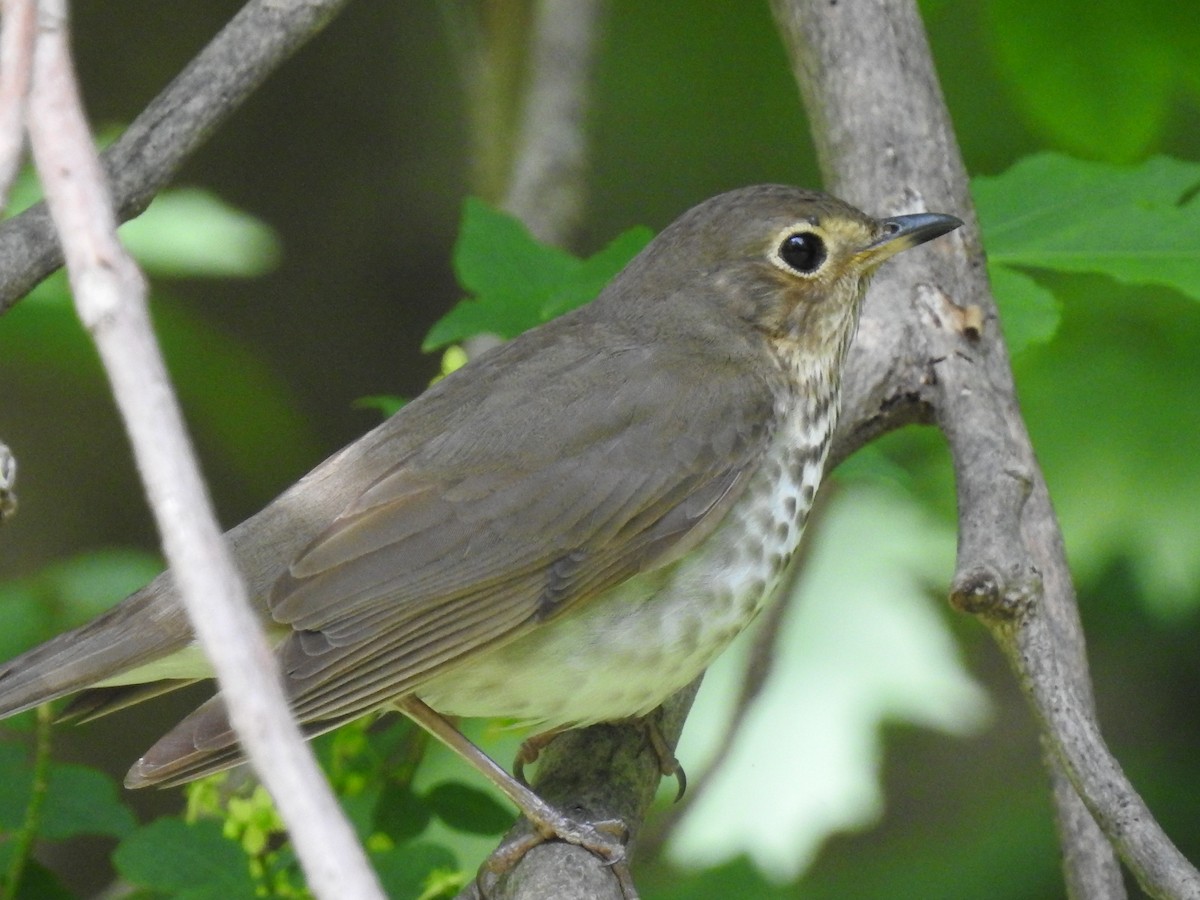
<point>790,264</point>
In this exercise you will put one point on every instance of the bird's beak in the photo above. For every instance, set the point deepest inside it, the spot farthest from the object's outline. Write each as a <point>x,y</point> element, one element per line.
<point>903,232</point>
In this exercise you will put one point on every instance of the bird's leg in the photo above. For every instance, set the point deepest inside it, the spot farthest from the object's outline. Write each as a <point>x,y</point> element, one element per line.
<point>604,839</point>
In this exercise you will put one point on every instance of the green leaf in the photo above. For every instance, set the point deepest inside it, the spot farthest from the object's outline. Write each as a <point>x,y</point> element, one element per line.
<point>518,282</point>
<point>1095,76</point>
<point>511,274</point>
<point>468,809</point>
<point>360,810</point>
<point>1137,224</point>
<point>496,252</point>
<point>385,404</point>
<point>80,800</point>
<point>586,282</point>
<point>188,232</point>
<point>25,618</point>
<point>86,585</point>
<point>39,883</point>
<point>193,861</point>
<point>68,593</point>
<point>15,774</point>
<point>1029,314</point>
<point>400,813</point>
<point>1112,409</point>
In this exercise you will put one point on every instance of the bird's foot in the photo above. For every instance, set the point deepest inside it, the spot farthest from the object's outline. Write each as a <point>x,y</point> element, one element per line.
<point>605,839</point>
<point>668,763</point>
<point>529,751</point>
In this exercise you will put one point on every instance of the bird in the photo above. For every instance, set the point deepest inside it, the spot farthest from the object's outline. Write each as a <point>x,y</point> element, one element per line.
<point>566,530</point>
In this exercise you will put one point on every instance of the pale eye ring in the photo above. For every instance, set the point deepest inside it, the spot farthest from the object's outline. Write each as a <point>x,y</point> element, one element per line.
<point>803,252</point>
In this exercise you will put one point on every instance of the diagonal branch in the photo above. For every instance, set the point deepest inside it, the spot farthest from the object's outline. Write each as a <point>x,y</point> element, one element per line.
<point>110,295</point>
<point>175,124</point>
<point>934,352</point>
<point>18,24</point>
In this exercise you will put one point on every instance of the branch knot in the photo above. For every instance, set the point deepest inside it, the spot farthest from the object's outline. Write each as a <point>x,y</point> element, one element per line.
<point>984,591</point>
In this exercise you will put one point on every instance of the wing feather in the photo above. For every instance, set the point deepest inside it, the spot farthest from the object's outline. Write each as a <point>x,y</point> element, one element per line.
<point>512,501</point>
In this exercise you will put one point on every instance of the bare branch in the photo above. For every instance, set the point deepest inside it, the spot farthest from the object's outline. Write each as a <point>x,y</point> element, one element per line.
<point>175,124</point>
<point>17,30</point>
<point>8,483</point>
<point>546,190</point>
<point>935,350</point>
<point>110,295</point>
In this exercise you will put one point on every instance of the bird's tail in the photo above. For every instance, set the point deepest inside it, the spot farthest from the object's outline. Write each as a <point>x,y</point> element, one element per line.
<point>132,642</point>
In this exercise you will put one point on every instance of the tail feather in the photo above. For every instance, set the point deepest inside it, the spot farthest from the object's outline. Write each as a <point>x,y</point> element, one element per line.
<point>94,703</point>
<point>202,744</point>
<point>143,630</point>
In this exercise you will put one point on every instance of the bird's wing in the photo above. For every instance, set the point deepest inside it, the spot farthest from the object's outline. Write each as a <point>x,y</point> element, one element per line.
<point>491,529</point>
<point>515,497</point>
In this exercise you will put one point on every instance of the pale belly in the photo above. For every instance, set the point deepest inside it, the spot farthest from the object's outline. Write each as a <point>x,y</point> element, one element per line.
<point>625,652</point>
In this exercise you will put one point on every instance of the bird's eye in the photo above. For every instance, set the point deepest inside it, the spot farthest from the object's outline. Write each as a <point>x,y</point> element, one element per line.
<point>802,251</point>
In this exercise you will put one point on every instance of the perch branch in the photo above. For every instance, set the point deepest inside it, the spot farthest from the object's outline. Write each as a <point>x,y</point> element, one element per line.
<point>110,296</point>
<point>931,350</point>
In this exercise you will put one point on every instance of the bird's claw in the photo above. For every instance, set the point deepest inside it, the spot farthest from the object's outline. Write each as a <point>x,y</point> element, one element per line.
<point>605,839</point>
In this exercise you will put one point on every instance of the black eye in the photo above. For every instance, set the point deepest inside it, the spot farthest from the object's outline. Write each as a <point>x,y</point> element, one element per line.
<point>803,251</point>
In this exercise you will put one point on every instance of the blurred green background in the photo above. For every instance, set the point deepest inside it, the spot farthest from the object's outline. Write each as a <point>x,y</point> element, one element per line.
<point>897,727</point>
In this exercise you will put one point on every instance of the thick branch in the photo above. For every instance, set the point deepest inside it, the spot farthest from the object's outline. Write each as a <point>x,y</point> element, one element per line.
<point>885,142</point>
<point>110,295</point>
<point>605,772</point>
<point>146,157</point>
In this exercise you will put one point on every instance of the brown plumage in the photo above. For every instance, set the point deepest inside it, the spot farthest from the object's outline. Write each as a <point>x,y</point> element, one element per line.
<point>564,531</point>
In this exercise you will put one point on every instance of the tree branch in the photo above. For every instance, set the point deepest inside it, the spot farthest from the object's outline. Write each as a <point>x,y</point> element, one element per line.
<point>17,31</point>
<point>931,348</point>
<point>175,124</point>
<point>8,483</point>
<point>110,295</point>
<point>546,190</point>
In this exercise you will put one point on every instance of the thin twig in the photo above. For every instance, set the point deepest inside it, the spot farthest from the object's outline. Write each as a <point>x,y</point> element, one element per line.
<point>110,296</point>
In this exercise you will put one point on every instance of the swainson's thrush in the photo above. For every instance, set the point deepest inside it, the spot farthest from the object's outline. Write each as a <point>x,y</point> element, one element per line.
<point>565,531</point>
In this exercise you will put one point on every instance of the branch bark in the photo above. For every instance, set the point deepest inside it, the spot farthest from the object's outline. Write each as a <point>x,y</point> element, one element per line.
<point>547,187</point>
<point>175,124</point>
<point>931,350</point>
<point>17,32</point>
<point>8,483</point>
<point>110,296</point>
